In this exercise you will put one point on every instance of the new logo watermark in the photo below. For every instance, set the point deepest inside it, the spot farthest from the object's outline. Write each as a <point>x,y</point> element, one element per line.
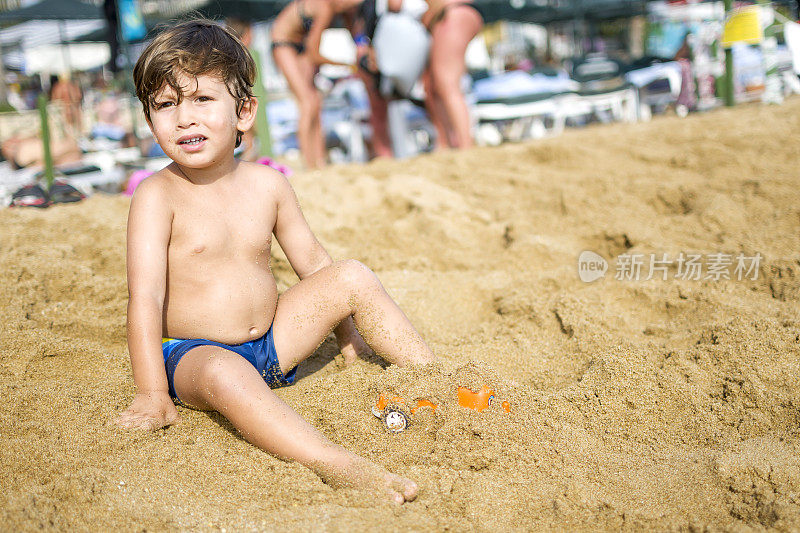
<point>685,266</point>
<point>591,266</point>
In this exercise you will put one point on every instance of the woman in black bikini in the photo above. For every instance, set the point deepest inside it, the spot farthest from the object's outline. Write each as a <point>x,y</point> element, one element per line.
<point>452,25</point>
<point>296,35</point>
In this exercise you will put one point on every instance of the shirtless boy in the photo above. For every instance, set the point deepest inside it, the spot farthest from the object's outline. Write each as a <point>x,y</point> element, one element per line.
<point>199,238</point>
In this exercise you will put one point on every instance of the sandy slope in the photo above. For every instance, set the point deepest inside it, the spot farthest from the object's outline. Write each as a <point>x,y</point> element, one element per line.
<point>636,404</point>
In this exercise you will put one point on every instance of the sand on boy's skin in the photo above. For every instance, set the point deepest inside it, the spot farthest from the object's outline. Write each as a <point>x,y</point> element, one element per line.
<point>651,404</point>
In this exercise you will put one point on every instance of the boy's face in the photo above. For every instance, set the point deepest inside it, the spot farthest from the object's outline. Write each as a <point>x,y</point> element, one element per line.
<point>200,131</point>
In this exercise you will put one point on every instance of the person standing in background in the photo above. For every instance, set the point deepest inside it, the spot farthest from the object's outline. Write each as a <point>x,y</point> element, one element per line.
<point>362,29</point>
<point>452,25</point>
<point>67,93</point>
<point>296,37</point>
<point>687,99</point>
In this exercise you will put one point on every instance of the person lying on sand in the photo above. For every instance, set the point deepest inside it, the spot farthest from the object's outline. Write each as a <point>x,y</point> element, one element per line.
<point>28,151</point>
<point>199,238</point>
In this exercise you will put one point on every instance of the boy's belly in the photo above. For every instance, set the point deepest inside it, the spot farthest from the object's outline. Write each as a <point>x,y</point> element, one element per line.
<point>231,305</point>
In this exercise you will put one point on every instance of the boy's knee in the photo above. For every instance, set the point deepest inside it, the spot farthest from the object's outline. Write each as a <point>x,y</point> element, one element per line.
<point>355,275</point>
<point>217,375</point>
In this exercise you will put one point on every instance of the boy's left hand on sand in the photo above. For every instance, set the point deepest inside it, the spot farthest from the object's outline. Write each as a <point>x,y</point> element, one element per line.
<point>148,412</point>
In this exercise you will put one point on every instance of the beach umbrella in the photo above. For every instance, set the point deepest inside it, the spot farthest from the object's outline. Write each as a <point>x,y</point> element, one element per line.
<point>50,59</point>
<point>54,10</point>
<point>546,11</point>
<point>61,11</point>
<point>252,10</point>
<point>58,10</point>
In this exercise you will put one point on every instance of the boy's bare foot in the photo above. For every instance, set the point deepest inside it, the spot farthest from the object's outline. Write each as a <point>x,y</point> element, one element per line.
<point>359,473</point>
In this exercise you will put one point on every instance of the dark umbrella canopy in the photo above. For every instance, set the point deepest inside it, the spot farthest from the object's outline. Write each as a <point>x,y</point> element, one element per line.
<point>543,12</point>
<point>521,10</point>
<point>54,10</point>
<point>254,10</point>
<point>536,11</point>
<point>251,10</point>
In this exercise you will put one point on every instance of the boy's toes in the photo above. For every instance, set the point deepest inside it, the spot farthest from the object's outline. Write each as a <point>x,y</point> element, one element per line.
<point>405,489</point>
<point>410,491</point>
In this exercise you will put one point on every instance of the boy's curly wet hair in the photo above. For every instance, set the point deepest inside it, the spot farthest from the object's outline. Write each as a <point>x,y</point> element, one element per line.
<point>194,47</point>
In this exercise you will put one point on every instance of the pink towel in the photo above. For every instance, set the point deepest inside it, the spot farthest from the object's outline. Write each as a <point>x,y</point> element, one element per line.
<point>283,169</point>
<point>136,178</point>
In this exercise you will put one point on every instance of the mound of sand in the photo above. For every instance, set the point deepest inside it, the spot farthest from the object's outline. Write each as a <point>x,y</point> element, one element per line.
<point>637,404</point>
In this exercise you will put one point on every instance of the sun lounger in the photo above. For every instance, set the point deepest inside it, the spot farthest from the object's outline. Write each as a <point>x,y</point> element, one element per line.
<point>13,180</point>
<point>90,178</point>
<point>659,85</point>
<point>616,105</point>
<point>604,89</point>
<point>519,105</point>
<point>86,178</point>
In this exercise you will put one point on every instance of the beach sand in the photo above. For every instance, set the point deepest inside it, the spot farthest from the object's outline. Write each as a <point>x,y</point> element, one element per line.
<point>661,404</point>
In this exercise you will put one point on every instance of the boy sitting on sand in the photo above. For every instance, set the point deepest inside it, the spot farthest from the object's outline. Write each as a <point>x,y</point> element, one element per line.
<point>199,238</point>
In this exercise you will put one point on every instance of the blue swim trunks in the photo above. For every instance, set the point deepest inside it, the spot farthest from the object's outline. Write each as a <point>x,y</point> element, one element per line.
<point>260,353</point>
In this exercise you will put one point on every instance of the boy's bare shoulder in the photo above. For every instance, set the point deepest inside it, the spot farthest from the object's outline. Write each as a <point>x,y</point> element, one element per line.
<point>155,189</point>
<point>263,172</point>
<point>266,180</point>
<point>155,182</point>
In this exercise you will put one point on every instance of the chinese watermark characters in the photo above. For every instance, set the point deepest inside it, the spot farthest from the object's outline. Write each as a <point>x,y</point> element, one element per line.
<point>660,266</point>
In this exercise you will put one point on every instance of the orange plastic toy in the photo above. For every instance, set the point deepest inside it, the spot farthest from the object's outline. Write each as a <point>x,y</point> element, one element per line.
<point>479,401</point>
<point>396,414</point>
